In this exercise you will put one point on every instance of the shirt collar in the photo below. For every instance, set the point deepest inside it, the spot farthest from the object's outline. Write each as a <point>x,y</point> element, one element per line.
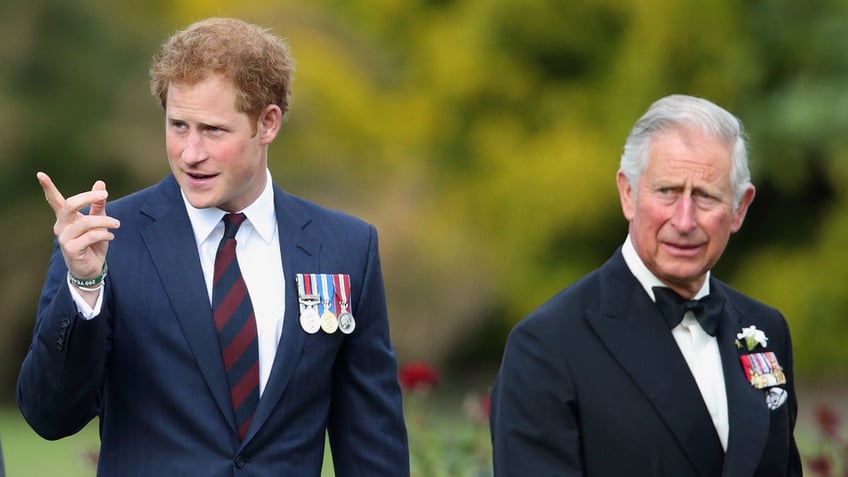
<point>260,214</point>
<point>646,278</point>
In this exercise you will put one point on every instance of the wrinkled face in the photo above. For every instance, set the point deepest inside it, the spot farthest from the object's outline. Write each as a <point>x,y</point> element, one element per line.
<point>217,154</point>
<point>682,213</point>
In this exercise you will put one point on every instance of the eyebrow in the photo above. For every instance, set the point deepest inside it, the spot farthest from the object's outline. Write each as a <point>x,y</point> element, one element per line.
<point>207,124</point>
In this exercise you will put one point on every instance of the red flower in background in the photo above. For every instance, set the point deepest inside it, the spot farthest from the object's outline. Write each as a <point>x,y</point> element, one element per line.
<point>418,376</point>
<point>828,421</point>
<point>833,449</point>
<point>819,466</point>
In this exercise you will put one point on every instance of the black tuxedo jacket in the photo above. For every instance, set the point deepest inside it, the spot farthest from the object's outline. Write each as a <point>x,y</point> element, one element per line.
<point>593,384</point>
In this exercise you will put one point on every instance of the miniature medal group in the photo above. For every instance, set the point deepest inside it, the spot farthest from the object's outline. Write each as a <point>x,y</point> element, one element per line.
<point>325,303</point>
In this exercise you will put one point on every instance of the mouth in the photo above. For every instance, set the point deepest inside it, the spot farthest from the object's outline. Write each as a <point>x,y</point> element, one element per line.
<point>682,248</point>
<point>199,179</point>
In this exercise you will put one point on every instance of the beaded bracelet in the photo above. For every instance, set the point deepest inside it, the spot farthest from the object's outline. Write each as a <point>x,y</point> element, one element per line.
<point>89,284</point>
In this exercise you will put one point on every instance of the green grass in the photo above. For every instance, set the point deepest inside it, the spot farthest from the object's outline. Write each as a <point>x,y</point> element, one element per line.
<point>28,455</point>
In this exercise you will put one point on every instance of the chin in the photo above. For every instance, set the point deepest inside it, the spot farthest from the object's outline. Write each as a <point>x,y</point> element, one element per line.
<point>682,273</point>
<point>200,202</point>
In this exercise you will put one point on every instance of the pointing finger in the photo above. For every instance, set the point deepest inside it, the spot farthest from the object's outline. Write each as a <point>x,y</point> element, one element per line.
<point>54,198</point>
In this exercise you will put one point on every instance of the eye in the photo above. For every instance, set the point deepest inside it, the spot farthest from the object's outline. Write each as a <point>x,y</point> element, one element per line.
<point>176,126</point>
<point>704,198</point>
<point>214,130</point>
<point>704,195</point>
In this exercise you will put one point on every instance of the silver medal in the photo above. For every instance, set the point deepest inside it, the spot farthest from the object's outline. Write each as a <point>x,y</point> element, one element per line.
<point>309,320</point>
<point>346,323</point>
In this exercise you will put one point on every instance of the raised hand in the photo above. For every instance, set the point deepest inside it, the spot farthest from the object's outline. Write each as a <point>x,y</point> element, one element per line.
<point>83,239</point>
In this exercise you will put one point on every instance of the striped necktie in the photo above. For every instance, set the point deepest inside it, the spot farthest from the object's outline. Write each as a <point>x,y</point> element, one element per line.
<point>236,326</point>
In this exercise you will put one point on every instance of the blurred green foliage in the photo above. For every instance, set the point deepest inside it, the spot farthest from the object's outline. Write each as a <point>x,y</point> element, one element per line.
<point>480,136</point>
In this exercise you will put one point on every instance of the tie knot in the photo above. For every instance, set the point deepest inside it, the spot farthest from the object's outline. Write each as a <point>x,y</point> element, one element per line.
<point>695,306</point>
<point>672,307</point>
<point>232,222</point>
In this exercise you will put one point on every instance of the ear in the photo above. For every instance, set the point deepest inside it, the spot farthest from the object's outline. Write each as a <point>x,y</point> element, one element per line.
<point>269,123</point>
<point>625,193</point>
<point>739,213</point>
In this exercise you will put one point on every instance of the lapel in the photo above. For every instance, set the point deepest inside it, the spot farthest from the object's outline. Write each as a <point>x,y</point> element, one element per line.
<point>748,414</point>
<point>633,331</point>
<point>178,265</point>
<point>300,251</point>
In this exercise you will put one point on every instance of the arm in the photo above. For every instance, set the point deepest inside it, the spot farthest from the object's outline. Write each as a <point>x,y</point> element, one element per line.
<point>61,375</point>
<point>534,416</point>
<point>58,387</point>
<point>366,428</point>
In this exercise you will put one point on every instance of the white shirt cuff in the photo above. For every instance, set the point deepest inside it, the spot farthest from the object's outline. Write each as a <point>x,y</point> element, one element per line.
<point>86,311</point>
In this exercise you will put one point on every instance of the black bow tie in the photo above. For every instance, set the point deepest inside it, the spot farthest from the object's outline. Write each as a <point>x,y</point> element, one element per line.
<point>672,307</point>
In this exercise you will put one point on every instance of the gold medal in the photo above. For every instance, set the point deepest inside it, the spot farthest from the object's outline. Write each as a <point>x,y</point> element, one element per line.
<point>329,322</point>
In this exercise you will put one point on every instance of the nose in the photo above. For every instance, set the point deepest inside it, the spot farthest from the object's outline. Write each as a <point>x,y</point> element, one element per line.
<point>193,150</point>
<point>684,214</point>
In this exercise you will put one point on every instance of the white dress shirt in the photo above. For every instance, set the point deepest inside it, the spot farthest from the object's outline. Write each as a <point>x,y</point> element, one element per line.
<point>699,349</point>
<point>261,263</point>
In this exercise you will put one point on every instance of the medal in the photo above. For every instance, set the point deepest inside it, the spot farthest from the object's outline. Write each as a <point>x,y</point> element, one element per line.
<point>775,398</point>
<point>310,321</point>
<point>329,322</point>
<point>762,369</point>
<point>346,321</point>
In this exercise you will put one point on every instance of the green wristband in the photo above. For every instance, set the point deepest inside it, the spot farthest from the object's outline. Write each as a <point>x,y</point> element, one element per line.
<point>89,284</point>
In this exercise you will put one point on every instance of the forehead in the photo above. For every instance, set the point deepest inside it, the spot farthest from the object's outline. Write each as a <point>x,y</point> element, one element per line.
<point>689,153</point>
<point>213,94</point>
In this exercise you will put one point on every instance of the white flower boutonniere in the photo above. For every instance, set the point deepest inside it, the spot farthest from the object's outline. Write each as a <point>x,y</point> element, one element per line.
<point>752,337</point>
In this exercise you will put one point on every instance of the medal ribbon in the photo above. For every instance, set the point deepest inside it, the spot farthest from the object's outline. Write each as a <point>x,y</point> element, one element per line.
<point>301,291</point>
<point>342,282</point>
<point>306,290</point>
<point>326,304</point>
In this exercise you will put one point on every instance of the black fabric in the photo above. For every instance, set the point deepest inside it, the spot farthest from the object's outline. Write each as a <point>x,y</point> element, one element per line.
<point>672,306</point>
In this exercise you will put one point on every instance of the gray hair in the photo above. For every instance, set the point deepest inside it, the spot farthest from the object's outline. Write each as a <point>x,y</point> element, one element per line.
<point>680,111</point>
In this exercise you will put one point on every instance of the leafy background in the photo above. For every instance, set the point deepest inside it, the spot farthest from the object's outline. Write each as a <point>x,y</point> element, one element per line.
<point>481,137</point>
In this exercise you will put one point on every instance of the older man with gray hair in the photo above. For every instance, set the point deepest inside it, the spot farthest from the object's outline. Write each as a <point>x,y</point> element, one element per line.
<point>650,366</point>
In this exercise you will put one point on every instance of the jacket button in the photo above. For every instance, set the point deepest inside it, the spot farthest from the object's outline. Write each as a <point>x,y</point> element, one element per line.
<point>66,322</point>
<point>239,461</point>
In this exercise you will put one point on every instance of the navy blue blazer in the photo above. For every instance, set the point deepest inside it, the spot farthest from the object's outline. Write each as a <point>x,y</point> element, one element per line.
<point>150,367</point>
<point>593,384</point>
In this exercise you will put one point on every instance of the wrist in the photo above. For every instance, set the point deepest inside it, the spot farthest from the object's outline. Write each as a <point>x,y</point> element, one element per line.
<point>89,284</point>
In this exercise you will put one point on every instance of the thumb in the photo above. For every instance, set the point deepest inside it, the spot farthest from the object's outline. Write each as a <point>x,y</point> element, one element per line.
<point>99,207</point>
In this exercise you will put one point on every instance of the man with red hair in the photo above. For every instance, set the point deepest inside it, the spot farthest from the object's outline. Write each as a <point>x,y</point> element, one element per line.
<point>196,346</point>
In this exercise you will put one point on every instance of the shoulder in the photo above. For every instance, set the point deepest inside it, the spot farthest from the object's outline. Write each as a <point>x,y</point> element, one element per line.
<point>747,311</point>
<point>160,196</point>
<point>318,217</point>
<point>336,230</point>
<point>745,306</point>
<point>562,316</point>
